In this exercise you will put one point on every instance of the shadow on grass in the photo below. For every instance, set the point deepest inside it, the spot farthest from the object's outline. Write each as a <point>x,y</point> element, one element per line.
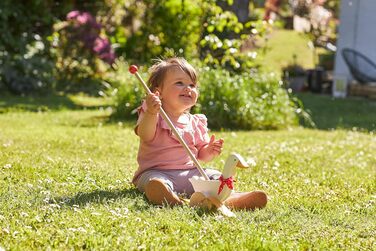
<point>346,113</point>
<point>103,197</point>
<point>34,103</point>
<point>100,197</point>
<point>46,103</point>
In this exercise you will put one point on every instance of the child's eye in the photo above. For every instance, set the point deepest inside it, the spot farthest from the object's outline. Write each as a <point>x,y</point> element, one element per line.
<point>182,85</point>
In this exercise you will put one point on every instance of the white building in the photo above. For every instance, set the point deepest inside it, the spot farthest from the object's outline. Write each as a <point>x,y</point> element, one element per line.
<point>357,31</point>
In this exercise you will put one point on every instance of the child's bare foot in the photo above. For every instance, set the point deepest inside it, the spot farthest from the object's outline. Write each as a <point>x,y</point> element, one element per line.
<point>247,200</point>
<point>158,193</point>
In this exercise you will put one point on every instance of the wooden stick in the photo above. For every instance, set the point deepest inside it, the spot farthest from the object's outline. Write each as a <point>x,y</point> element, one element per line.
<point>133,69</point>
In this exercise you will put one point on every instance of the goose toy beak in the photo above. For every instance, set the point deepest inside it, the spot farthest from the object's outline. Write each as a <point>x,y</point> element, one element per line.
<point>241,163</point>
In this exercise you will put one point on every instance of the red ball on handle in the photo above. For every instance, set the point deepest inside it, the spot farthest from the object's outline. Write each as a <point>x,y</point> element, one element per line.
<point>133,69</point>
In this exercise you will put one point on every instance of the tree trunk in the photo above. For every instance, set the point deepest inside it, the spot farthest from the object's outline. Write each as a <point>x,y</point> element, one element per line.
<point>239,7</point>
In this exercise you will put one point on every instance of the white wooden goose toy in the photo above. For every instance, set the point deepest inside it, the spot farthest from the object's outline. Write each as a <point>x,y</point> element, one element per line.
<point>222,188</point>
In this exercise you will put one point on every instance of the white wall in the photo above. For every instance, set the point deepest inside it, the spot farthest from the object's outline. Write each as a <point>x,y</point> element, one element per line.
<point>357,30</point>
<point>365,41</point>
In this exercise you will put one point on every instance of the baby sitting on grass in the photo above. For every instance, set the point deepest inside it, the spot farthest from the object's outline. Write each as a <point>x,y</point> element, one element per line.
<point>164,165</point>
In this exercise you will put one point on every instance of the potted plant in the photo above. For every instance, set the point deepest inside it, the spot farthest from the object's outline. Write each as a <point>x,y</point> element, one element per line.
<point>295,77</point>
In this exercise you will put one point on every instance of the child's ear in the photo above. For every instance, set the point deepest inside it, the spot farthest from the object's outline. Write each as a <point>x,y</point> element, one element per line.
<point>159,91</point>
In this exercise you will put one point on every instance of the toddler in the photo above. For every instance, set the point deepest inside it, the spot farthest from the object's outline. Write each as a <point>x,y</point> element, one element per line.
<point>164,165</point>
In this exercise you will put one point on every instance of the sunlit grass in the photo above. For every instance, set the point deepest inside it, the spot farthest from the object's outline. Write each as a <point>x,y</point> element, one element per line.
<point>65,184</point>
<point>286,47</point>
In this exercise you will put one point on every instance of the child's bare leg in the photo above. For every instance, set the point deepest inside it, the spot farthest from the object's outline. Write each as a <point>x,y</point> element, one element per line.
<point>247,200</point>
<point>158,193</point>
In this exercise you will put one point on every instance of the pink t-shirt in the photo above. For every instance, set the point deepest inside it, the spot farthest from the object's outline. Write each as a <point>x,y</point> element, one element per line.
<point>164,151</point>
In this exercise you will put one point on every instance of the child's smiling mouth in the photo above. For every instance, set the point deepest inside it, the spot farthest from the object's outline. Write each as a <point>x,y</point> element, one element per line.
<point>185,95</point>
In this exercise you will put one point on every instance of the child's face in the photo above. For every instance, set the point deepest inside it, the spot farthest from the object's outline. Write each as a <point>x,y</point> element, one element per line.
<point>178,91</point>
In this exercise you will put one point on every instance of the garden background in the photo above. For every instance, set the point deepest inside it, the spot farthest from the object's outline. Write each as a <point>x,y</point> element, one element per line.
<point>67,112</point>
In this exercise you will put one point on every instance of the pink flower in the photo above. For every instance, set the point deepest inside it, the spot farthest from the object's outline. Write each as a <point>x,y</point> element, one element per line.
<point>87,30</point>
<point>108,57</point>
<point>73,14</point>
<point>85,18</point>
<point>101,45</point>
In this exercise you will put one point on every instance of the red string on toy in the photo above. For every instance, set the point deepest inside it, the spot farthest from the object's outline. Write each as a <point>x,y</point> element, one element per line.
<point>229,182</point>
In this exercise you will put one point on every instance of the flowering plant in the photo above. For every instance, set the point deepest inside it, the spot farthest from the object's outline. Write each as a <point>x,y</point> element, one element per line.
<point>78,43</point>
<point>86,29</point>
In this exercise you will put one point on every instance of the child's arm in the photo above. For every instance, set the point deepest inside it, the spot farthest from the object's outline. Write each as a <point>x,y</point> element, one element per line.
<point>211,150</point>
<point>147,126</point>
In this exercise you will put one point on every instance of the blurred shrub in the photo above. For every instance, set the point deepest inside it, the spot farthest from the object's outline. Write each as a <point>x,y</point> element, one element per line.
<point>25,63</point>
<point>156,28</point>
<point>31,72</point>
<point>75,51</point>
<point>83,52</point>
<point>244,101</point>
<point>125,90</point>
<point>143,30</point>
<point>223,36</point>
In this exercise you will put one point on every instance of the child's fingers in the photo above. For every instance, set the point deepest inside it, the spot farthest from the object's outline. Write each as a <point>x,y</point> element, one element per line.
<point>217,148</point>
<point>217,151</point>
<point>154,98</point>
<point>153,103</point>
<point>212,138</point>
<point>218,142</point>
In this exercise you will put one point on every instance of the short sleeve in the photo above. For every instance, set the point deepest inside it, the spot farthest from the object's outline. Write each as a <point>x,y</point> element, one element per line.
<point>201,130</point>
<point>202,119</point>
<point>140,111</point>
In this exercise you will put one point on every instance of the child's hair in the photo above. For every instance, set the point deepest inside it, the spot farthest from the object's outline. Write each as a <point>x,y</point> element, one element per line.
<point>159,69</point>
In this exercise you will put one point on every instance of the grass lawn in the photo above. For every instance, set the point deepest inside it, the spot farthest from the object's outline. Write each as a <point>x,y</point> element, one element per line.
<point>65,183</point>
<point>281,46</point>
<point>330,113</point>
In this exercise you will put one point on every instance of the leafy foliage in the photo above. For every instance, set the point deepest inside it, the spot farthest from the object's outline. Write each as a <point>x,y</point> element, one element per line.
<point>223,37</point>
<point>244,101</point>
<point>125,90</point>
<point>24,58</point>
<point>79,47</point>
<point>30,72</point>
<point>138,30</point>
<point>198,29</point>
<point>166,28</point>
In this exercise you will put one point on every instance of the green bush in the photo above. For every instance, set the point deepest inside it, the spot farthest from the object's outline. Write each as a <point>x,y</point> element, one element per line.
<point>224,36</point>
<point>167,27</point>
<point>245,101</point>
<point>25,63</point>
<point>125,90</point>
<point>30,72</point>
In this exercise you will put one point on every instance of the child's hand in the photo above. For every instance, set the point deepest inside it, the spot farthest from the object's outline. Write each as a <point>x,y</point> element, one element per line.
<point>215,146</point>
<point>153,103</point>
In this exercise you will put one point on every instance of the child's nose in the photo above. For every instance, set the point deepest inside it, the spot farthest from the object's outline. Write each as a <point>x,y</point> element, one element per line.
<point>188,87</point>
